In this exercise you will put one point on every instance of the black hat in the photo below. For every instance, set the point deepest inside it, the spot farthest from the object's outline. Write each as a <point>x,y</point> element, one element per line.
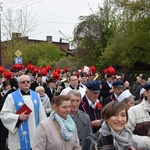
<point>93,85</point>
<point>39,75</point>
<point>118,83</point>
<point>109,75</point>
<point>147,86</point>
<point>28,71</point>
<point>5,83</point>
<point>51,80</point>
<point>34,74</point>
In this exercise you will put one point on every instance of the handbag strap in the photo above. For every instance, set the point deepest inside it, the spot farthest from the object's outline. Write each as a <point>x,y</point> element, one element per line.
<point>60,135</point>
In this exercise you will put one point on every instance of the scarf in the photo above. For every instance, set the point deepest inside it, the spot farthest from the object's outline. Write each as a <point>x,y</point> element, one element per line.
<point>67,125</point>
<point>122,140</point>
<point>42,98</point>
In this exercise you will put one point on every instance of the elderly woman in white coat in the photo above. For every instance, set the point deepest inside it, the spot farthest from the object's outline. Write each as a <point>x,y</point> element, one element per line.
<point>44,99</point>
<point>57,132</point>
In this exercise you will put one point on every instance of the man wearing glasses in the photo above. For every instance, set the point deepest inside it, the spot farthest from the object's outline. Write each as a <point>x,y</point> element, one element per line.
<point>21,113</point>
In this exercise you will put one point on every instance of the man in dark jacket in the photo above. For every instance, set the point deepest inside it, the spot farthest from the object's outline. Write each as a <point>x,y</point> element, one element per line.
<point>118,89</point>
<point>38,82</point>
<point>106,89</point>
<point>91,105</point>
<point>51,88</point>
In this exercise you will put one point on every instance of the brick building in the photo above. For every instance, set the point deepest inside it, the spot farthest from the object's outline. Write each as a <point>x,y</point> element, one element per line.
<point>61,45</point>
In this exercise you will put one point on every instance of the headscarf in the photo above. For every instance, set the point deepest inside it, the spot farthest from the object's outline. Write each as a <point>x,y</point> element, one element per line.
<point>67,125</point>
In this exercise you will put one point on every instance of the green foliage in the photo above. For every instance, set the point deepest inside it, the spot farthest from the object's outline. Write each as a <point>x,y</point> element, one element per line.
<point>92,35</point>
<point>117,35</point>
<point>65,62</point>
<point>131,39</point>
<point>38,54</point>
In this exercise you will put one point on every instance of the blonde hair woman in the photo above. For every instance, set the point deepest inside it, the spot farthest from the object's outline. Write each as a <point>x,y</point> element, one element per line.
<point>44,99</point>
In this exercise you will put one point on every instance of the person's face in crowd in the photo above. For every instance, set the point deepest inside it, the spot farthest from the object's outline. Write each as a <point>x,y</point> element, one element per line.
<point>143,82</point>
<point>110,79</point>
<point>63,109</point>
<point>83,80</point>
<point>68,74</point>
<point>16,73</point>
<point>52,85</point>
<point>21,73</point>
<point>126,84</point>
<point>64,75</point>
<point>118,90</point>
<point>75,102</point>
<point>139,79</point>
<point>74,81</point>
<point>92,96</point>
<point>39,79</point>
<point>129,103</point>
<point>24,83</point>
<point>117,121</point>
<point>7,87</point>
<point>41,92</point>
<point>32,78</point>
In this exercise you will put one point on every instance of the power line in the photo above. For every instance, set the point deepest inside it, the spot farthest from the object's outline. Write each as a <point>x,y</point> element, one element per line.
<point>12,2</point>
<point>57,22</point>
<point>23,3</point>
<point>34,3</point>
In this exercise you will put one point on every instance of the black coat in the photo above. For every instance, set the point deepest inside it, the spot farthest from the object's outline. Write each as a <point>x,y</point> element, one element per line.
<point>102,142</point>
<point>3,130</point>
<point>105,90</point>
<point>99,141</point>
<point>49,93</point>
<point>35,84</point>
<point>94,114</point>
<point>109,99</point>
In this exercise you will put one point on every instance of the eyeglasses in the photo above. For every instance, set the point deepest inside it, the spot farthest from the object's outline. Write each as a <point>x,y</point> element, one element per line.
<point>25,81</point>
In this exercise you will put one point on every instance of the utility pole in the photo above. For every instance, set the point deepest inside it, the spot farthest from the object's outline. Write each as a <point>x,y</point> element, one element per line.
<point>0,35</point>
<point>65,38</point>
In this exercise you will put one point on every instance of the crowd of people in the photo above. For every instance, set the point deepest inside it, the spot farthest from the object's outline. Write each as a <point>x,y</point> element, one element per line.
<point>65,110</point>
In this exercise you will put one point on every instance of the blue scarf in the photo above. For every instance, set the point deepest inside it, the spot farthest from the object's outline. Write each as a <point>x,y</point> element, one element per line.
<point>67,125</point>
<point>23,129</point>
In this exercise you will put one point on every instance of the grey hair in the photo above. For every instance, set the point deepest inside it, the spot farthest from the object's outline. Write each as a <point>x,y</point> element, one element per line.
<point>128,99</point>
<point>74,92</point>
<point>22,76</point>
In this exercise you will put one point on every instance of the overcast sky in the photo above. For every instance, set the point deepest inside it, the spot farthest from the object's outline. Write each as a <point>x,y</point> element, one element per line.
<point>54,16</point>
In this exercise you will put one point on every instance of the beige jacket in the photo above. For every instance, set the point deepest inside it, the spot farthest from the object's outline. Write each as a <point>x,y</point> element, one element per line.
<point>139,124</point>
<point>48,138</point>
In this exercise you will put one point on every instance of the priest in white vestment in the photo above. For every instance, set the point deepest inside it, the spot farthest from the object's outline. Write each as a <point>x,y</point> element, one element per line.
<point>22,126</point>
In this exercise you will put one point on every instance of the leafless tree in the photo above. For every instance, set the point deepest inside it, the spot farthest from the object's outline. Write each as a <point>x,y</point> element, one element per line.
<point>18,21</point>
